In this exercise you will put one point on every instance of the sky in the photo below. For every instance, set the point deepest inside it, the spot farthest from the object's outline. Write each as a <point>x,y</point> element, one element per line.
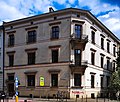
<point>107,11</point>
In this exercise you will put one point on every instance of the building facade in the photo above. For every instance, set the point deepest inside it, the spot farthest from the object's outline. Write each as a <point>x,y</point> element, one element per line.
<point>67,50</point>
<point>1,58</point>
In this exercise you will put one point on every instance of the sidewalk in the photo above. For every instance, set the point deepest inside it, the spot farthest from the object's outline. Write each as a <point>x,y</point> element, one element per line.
<point>55,100</point>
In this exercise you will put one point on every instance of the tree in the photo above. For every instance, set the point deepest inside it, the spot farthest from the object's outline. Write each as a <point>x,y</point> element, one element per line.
<point>115,79</point>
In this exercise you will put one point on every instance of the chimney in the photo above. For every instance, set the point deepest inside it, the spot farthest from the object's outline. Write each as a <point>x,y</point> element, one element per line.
<point>51,9</point>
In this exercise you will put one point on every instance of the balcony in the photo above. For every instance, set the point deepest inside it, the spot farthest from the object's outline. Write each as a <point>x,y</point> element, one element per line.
<point>75,41</point>
<point>78,68</point>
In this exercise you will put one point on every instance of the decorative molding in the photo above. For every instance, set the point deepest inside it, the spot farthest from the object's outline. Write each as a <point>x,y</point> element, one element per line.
<point>11,52</point>
<point>56,46</point>
<point>93,28</point>
<point>92,49</point>
<point>11,32</point>
<point>31,49</point>
<point>76,21</point>
<point>29,28</point>
<point>54,23</point>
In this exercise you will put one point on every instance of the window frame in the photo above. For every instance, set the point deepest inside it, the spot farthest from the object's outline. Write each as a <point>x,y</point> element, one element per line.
<point>11,40</point>
<point>102,61</point>
<point>102,43</point>
<point>77,56</point>
<point>93,58</point>
<point>55,32</point>
<point>108,47</point>
<point>55,58</point>
<point>31,58</point>
<point>92,81</point>
<point>93,37</point>
<point>11,60</point>
<point>77,80</point>
<point>31,84</point>
<point>54,78</point>
<point>31,36</point>
<point>78,31</point>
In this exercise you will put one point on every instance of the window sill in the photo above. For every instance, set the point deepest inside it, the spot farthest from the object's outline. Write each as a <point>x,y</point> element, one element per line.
<point>10,45</point>
<point>54,87</point>
<point>30,86</point>
<point>30,42</point>
<point>79,87</point>
<point>54,38</point>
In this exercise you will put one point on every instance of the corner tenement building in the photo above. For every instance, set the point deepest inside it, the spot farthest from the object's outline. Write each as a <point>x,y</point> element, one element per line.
<point>68,50</point>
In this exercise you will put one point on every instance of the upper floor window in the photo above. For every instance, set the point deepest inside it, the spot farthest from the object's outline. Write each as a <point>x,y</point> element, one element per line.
<point>31,58</point>
<point>102,43</point>
<point>93,58</point>
<point>54,55</point>
<point>113,66</point>
<point>93,37</point>
<point>31,36</point>
<point>107,80</point>
<point>11,60</point>
<point>77,79</point>
<point>108,47</point>
<point>11,40</point>
<point>77,54</point>
<point>114,50</point>
<point>102,61</point>
<point>92,81</point>
<point>108,64</point>
<point>78,31</point>
<point>55,32</point>
<point>101,83</point>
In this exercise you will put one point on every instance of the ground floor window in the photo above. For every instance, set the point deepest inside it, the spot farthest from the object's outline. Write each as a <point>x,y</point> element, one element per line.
<point>31,80</point>
<point>77,79</point>
<point>54,80</point>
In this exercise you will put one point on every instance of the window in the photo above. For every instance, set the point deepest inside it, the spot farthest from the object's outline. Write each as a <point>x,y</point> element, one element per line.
<point>31,36</point>
<point>11,40</point>
<point>113,66</point>
<point>77,79</point>
<point>108,64</point>
<point>107,80</point>
<point>102,61</point>
<point>11,77</point>
<point>31,58</point>
<point>108,47</point>
<point>92,58</point>
<point>77,56</point>
<point>54,80</point>
<point>78,31</point>
<point>55,56</point>
<point>93,37</point>
<point>114,50</point>
<point>102,43</point>
<point>101,84</point>
<point>92,81</point>
<point>11,60</point>
<point>55,32</point>
<point>31,80</point>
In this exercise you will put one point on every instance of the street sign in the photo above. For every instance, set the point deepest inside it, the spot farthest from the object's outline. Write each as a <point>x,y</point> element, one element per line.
<point>16,82</point>
<point>41,81</point>
<point>16,93</point>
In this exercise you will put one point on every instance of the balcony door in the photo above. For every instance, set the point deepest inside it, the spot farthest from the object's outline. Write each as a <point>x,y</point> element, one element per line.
<point>77,54</point>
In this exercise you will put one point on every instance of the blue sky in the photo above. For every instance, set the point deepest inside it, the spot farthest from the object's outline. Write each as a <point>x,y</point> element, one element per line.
<point>107,11</point>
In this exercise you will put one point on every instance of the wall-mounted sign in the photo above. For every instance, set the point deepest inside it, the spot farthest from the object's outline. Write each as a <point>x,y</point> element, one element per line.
<point>42,81</point>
